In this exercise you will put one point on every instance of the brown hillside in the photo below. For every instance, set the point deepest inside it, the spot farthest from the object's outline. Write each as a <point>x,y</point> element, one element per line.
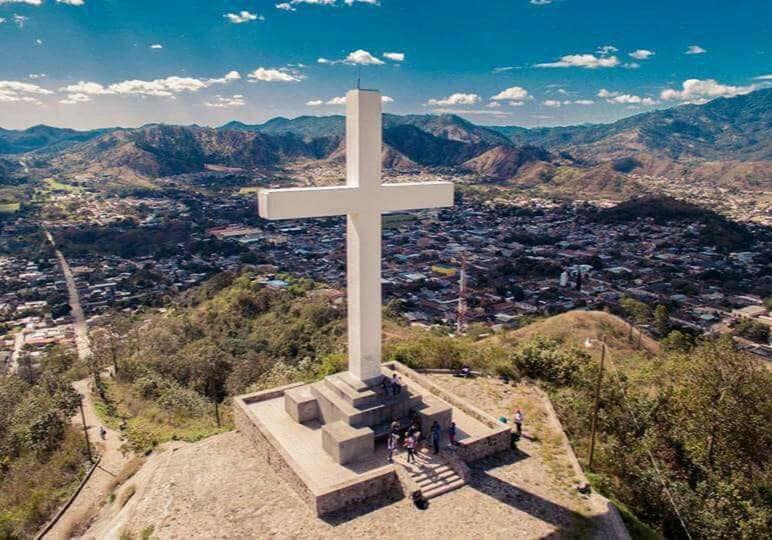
<point>573,327</point>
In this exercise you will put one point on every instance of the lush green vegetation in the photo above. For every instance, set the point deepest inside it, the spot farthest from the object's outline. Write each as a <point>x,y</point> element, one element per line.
<point>228,336</point>
<point>42,457</point>
<point>752,330</point>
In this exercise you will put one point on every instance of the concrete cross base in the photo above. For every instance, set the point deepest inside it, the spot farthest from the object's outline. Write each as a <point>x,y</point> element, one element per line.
<point>346,444</point>
<point>326,438</point>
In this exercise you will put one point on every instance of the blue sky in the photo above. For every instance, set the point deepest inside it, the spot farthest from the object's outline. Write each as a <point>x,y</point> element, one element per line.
<point>93,63</point>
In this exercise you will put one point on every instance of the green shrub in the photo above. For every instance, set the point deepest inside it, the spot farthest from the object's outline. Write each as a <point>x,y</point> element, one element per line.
<point>545,359</point>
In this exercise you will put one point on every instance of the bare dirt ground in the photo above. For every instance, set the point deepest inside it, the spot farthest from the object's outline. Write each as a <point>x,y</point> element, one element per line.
<point>220,488</point>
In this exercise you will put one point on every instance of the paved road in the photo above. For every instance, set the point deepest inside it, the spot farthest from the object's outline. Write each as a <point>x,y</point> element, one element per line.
<point>79,320</point>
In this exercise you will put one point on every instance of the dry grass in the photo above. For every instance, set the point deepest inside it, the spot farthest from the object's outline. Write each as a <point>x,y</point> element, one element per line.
<point>573,327</point>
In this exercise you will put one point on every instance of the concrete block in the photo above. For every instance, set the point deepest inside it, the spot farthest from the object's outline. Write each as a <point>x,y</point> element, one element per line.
<point>434,410</point>
<point>346,444</point>
<point>301,404</point>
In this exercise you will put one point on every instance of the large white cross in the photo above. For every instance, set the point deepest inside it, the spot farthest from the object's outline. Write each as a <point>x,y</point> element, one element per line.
<point>363,199</point>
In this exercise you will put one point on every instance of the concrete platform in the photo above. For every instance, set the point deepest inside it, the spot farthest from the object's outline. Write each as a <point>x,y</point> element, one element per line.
<point>330,458</point>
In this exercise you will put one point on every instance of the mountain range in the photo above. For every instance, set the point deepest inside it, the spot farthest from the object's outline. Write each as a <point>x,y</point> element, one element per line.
<point>727,142</point>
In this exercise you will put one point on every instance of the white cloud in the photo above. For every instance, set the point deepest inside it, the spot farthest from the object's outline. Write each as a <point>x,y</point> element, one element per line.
<point>502,69</point>
<point>88,88</point>
<point>289,6</point>
<point>587,61</point>
<point>605,50</point>
<point>514,93</point>
<point>275,75</point>
<point>695,49</point>
<point>226,102</point>
<point>314,2</point>
<point>340,100</point>
<point>74,99</point>
<point>396,56</point>
<point>493,105</point>
<point>642,54</point>
<point>36,75</point>
<point>703,90</point>
<point>764,78</point>
<point>558,103</point>
<point>38,42</point>
<point>243,17</point>
<point>362,57</point>
<point>2,20</point>
<point>541,2</point>
<point>20,20</point>
<point>455,99</point>
<point>228,77</point>
<point>156,46</point>
<point>71,2</point>
<point>29,2</point>
<point>627,99</point>
<point>21,92</point>
<point>359,57</point>
<point>160,87</point>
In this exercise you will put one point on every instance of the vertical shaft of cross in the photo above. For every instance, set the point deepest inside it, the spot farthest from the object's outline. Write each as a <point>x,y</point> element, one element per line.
<point>363,239</point>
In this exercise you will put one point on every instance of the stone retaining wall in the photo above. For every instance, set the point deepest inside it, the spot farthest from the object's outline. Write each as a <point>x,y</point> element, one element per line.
<point>375,483</point>
<point>270,449</point>
<point>473,448</point>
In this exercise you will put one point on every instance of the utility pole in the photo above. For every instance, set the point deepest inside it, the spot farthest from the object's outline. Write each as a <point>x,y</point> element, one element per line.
<point>597,402</point>
<point>85,429</point>
<point>214,398</point>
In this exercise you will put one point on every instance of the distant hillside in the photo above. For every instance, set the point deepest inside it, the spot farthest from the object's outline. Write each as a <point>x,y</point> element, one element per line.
<point>45,138</point>
<point>716,230</point>
<point>738,128</point>
<point>724,143</point>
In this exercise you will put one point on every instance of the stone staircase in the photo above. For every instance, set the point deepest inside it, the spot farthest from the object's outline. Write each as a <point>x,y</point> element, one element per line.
<point>433,475</point>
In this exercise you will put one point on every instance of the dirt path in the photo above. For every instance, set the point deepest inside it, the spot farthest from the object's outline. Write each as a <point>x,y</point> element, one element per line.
<point>98,488</point>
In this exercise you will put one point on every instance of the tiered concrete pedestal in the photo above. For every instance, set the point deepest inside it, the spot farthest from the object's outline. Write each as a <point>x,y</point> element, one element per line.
<point>322,438</point>
<point>354,413</point>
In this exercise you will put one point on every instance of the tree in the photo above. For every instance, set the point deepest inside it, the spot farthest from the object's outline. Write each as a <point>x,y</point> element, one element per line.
<point>677,341</point>
<point>752,330</point>
<point>662,319</point>
<point>639,312</point>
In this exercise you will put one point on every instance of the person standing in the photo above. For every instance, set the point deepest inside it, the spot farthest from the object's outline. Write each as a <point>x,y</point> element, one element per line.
<point>410,447</point>
<point>436,434</point>
<point>102,433</point>
<point>452,435</point>
<point>519,422</point>
<point>391,444</point>
<point>396,384</point>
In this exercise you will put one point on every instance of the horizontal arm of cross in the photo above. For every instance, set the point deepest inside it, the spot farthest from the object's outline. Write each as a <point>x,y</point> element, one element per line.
<point>307,202</point>
<point>415,195</point>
